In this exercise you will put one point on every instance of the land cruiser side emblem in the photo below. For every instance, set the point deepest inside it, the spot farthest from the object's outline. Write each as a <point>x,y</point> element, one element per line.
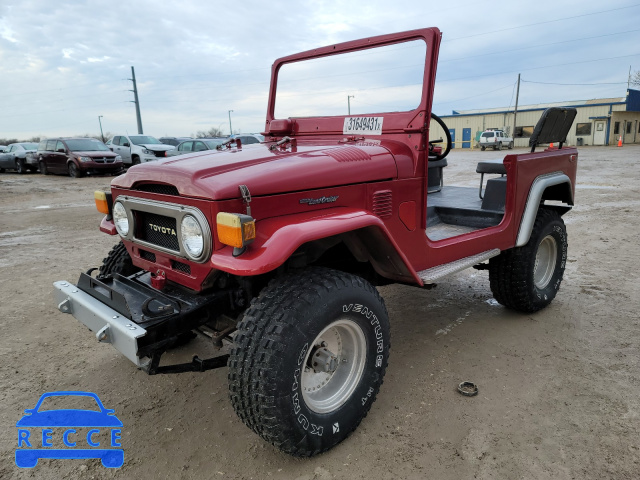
<point>165,230</point>
<point>316,201</point>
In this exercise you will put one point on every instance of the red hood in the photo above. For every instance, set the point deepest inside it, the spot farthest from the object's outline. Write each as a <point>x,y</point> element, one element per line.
<point>216,175</point>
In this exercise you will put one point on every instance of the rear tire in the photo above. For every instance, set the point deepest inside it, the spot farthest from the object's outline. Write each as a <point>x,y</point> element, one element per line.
<point>482,148</point>
<point>527,278</point>
<point>308,359</point>
<point>118,261</point>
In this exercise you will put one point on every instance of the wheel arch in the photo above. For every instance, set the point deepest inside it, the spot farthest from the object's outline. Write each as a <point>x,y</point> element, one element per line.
<point>284,239</point>
<point>549,187</point>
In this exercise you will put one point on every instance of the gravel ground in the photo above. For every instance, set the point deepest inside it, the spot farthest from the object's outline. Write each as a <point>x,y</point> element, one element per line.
<point>559,390</point>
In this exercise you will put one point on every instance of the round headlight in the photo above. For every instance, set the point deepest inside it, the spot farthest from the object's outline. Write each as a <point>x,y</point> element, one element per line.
<point>192,237</point>
<point>120,219</point>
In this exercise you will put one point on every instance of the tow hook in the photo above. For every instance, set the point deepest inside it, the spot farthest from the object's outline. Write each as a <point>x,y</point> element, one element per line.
<point>158,280</point>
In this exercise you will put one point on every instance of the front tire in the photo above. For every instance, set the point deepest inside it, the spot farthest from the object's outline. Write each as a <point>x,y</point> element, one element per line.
<point>43,168</point>
<point>527,278</point>
<point>118,261</point>
<point>74,171</point>
<point>20,166</point>
<point>510,146</point>
<point>309,358</point>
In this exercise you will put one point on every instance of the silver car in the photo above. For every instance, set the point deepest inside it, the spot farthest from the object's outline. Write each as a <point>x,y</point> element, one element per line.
<point>197,145</point>
<point>15,157</point>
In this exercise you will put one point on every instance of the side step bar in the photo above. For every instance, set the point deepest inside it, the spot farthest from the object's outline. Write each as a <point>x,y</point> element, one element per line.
<point>430,275</point>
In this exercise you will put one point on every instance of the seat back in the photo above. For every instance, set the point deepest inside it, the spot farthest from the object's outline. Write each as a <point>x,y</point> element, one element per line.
<point>553,126</point>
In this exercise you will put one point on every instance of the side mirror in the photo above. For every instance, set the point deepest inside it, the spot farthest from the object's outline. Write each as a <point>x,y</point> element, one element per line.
<point>126,144</point>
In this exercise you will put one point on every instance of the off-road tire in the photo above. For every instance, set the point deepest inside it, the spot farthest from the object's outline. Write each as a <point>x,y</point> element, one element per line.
<point>118,261</point>
<point>43,167</point>
<point>272,347</point>
<point>20,168</point>
<point>74,171</point>
<point>512,273</point>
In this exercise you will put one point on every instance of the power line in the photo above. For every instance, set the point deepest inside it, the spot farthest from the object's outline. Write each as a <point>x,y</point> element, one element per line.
<point>576,84</point>
<point>501,52</point>
<point>541,67</point>
<point>543,23</point>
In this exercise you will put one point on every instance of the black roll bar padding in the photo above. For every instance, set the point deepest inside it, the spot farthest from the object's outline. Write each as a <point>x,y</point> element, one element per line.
<point>553,126</point>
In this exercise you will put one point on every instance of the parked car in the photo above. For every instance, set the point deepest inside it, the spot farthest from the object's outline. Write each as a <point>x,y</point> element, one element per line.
<point>135,149</point>
<point>198,145</point>
<point>77,157</point>
<point>174,141</point>
<point>495,139</point>
<point>249,138</point>
<point>15,157</point>
<point>3,148</point>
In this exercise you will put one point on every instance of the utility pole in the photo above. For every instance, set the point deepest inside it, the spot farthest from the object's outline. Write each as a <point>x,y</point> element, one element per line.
<point>515,111</point>
<point>136,101</point>
<point>100,122</point>
<point>349,97</point>
<point>629,79</point>
<point>230,130</point>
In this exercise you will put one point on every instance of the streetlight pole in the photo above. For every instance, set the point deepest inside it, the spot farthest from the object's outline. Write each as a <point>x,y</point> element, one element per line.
<point>349,97</point>
<point>230,129</point>
<point>100,122</point>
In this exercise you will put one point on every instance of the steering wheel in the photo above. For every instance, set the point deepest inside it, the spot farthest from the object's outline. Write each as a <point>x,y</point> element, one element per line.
<point>446,151</point>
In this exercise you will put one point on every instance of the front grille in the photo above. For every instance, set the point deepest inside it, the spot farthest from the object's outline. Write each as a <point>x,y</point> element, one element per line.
<point>104,159</point>
<point>149,256</point>
<point>160,188</point>
<point>158,230</point>
<point>181,267</point>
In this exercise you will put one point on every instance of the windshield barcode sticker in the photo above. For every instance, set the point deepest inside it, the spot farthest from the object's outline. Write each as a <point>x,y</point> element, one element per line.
<point>362,126</point>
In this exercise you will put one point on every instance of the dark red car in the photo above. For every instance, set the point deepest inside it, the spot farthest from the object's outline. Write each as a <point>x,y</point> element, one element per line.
<point>77,157</point>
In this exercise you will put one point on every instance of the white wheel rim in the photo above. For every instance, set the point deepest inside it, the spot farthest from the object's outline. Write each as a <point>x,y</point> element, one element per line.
<point>324,392</point>
<point>545,264</point>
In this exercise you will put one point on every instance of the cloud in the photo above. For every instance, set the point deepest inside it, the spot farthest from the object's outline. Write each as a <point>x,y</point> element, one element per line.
<point>63,64</point>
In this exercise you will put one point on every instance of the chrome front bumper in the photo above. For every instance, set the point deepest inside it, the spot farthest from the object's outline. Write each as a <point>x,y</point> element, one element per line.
<point>108,325</point>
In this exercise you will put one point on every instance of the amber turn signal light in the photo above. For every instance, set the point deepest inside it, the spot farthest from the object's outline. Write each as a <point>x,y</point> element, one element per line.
<point>235,229</point>
<point>102,201</point>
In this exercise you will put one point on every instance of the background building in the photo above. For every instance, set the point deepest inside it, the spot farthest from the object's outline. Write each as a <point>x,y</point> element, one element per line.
<point>599,122</point>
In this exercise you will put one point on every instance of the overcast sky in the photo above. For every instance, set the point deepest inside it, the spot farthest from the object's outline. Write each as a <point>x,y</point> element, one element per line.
<point>64,63</point>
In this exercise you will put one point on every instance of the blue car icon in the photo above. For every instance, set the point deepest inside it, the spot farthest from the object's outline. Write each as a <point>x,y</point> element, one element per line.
<point>61,424</point>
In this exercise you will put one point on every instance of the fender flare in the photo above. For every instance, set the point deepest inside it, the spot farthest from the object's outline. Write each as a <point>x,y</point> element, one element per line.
<point>539,185</point>
<point>278,238</point>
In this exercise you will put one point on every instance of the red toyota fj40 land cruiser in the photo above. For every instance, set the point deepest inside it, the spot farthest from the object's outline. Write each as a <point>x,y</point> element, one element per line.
<point>274,249</point>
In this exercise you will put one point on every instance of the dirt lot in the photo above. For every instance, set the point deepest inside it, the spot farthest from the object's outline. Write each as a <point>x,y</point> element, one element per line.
<point>559,390</point>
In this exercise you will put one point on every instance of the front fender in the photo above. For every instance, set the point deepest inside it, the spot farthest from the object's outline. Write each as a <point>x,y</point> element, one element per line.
<point>279,237</point>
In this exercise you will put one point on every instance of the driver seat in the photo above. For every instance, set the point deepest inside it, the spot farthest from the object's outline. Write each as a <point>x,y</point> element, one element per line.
<point>435,179</point>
